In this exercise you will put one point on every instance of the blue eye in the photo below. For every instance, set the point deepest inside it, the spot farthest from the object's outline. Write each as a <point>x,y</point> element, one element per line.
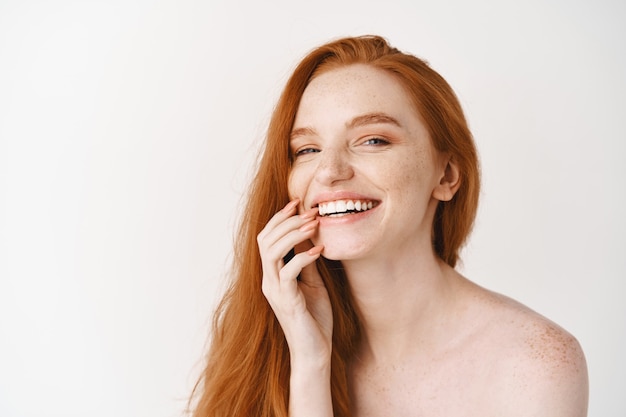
<point>376,141</point>
<point>305,151</point>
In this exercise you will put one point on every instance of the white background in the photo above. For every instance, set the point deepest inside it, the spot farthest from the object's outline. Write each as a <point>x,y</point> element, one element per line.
<point>127,133</point>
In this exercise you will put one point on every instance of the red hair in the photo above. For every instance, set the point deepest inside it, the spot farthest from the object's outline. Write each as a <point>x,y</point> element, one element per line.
<point>247,372</point>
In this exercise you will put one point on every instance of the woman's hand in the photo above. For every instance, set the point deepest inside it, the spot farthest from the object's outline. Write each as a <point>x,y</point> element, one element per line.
<point>302,306</point>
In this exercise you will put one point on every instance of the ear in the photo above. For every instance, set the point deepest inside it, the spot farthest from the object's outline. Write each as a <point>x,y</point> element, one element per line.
<point>449,182</point>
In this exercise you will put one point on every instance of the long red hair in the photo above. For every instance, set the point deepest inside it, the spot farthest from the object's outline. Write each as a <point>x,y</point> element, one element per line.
<point>247,371</point>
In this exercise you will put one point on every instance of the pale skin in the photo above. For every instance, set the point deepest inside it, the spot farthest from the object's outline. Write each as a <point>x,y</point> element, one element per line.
<point>435,344</point>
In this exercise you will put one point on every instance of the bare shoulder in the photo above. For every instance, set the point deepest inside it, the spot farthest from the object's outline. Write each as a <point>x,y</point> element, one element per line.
<point>540,369</point>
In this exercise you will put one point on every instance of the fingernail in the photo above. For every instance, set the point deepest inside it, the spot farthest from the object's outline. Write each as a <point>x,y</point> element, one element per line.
<point>309,226</point>
<point>315,250</point>
<point>309,213</point>
<point>291,205</point>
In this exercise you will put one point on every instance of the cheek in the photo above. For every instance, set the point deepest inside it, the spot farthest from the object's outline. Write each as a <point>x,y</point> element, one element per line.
<point>290,186</point>
<point>414,171</point>
<point>295,184</point>
<point>410,170</point>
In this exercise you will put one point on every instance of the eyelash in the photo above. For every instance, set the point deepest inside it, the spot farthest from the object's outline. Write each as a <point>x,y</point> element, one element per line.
<point>368,142</point>
<point>305,151</point>
<point>380,141</point>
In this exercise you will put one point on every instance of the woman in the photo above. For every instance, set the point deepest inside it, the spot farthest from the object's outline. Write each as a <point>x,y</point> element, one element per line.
<point>345,300</point>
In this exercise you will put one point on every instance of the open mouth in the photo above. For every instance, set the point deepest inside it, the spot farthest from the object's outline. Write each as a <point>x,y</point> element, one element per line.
<point>340,208</point>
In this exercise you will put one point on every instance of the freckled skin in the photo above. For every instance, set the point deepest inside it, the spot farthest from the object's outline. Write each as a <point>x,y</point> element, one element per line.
<point>499,359</point>
<point>402,176</point>
<point>434,344</point>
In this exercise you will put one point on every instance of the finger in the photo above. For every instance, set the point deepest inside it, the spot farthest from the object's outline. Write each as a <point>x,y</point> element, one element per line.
<point>279,225</point>
<point>288,211</point>
<point>277,251</point>
<point>310,275</point>
<point>286,282</point>
<point>289,273</point>
<point>272,236</point>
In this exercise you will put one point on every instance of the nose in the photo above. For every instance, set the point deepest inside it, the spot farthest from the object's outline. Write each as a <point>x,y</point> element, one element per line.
<point>334,166</point>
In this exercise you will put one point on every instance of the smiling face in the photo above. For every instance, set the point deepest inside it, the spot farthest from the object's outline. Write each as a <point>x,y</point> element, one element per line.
<point>362,155</point>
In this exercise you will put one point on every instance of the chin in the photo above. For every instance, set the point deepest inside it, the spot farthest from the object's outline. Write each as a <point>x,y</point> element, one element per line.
<point>340,250</point>
<point>333,256</point>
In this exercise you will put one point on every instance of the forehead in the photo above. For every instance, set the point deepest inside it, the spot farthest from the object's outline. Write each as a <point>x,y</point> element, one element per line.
<point>348,91</point>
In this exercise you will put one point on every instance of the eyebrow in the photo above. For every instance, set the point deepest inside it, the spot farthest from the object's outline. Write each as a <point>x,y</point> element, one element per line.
<point>359,121</point>
<point>302,131</point>
<point>372,118</point>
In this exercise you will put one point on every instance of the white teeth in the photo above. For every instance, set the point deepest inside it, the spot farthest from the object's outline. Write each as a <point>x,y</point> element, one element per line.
<point>343,207</point>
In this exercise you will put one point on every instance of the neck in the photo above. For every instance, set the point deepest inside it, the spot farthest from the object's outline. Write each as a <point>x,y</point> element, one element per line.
<point>402,300</point>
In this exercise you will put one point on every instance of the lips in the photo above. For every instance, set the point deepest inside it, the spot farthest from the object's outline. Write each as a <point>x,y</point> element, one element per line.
<point>338,208</point>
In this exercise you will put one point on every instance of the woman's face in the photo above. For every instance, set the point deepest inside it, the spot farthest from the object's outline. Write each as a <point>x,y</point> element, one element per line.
<point>365,159</point>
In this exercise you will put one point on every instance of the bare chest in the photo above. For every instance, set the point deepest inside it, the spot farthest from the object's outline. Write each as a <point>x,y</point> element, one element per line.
<point>439,387</point>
